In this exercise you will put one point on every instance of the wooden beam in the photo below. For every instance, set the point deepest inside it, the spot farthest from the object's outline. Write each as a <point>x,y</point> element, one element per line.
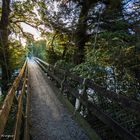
<point>19,113</point>
<point>4,112</point>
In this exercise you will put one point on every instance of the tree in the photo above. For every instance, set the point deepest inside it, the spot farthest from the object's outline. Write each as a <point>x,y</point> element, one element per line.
<point>77,21</point>
<point>4,47</point>
<point>13,13</point>
<point>81,35</point>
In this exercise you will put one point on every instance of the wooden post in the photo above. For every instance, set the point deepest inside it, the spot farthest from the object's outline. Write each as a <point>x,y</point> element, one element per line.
<point>26,125</point>
<point>83,96</point>
<point>62,83</point>
<point>54,67</point>
<point>4,112</point>
<point>18,123</point>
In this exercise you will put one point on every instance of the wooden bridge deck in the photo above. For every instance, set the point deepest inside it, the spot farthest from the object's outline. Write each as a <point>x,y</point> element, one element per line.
<point>49,119</point>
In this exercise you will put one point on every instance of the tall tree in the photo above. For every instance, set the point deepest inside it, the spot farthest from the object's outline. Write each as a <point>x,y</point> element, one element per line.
<point>81,35</point>
<point>4,32</point>
<point>13,14</point>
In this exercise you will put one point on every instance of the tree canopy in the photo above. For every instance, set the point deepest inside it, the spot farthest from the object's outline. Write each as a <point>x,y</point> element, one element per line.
<point>95,39</point>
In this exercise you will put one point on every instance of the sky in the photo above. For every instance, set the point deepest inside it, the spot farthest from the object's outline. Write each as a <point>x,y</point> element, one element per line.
<point>35,32</point>
<point>31,30</point>
<point>27,28</point>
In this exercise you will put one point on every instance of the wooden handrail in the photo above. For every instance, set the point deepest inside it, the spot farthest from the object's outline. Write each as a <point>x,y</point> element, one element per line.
<point>104,117</point>
<point>118,98</point>
<point>20,110</point>
<point>45,63</point>
<point>123,100</point>
<point>6,107</point>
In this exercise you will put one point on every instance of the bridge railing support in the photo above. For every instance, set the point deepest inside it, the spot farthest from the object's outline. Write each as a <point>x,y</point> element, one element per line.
<point>114,116</point>
<point>16,100</point>
<point>27,109</point>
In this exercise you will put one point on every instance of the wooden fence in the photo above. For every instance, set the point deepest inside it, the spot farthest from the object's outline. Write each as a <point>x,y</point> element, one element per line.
<point>16,96</point>
<point>114,116</point>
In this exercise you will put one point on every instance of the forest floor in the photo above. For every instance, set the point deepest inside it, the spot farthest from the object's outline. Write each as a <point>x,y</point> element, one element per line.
<point>49,118</point>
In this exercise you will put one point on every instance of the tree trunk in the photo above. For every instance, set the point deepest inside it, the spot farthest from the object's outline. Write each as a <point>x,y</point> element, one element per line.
<point>81,32</point>
<point>4,55</point>
<point>64,52</point>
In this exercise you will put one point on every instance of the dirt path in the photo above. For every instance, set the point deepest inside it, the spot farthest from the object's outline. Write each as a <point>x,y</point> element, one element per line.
<point>49,119</point>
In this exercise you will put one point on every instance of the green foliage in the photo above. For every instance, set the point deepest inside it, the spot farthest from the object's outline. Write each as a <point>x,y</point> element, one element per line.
<point>114,52</point>
<point>58,48</point>
<point>17,54</point>
<point>38,48</point>
<point>52,57</point>
<point>73,27</point>
<point>93,67</point>
<point>64,64</point>
<point>121,25</point>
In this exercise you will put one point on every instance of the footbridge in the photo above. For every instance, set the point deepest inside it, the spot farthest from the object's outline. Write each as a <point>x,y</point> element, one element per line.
<point>53,104</point>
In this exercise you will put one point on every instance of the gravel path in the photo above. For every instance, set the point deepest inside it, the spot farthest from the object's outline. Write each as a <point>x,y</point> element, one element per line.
<point>49,119</point>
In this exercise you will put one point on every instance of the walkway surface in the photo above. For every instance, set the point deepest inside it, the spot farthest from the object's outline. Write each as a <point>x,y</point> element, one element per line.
<point>49,118</point>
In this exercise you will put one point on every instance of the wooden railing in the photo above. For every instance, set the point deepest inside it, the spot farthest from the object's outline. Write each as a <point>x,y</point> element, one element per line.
<point>17,98</point>
<point>114,116</point>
